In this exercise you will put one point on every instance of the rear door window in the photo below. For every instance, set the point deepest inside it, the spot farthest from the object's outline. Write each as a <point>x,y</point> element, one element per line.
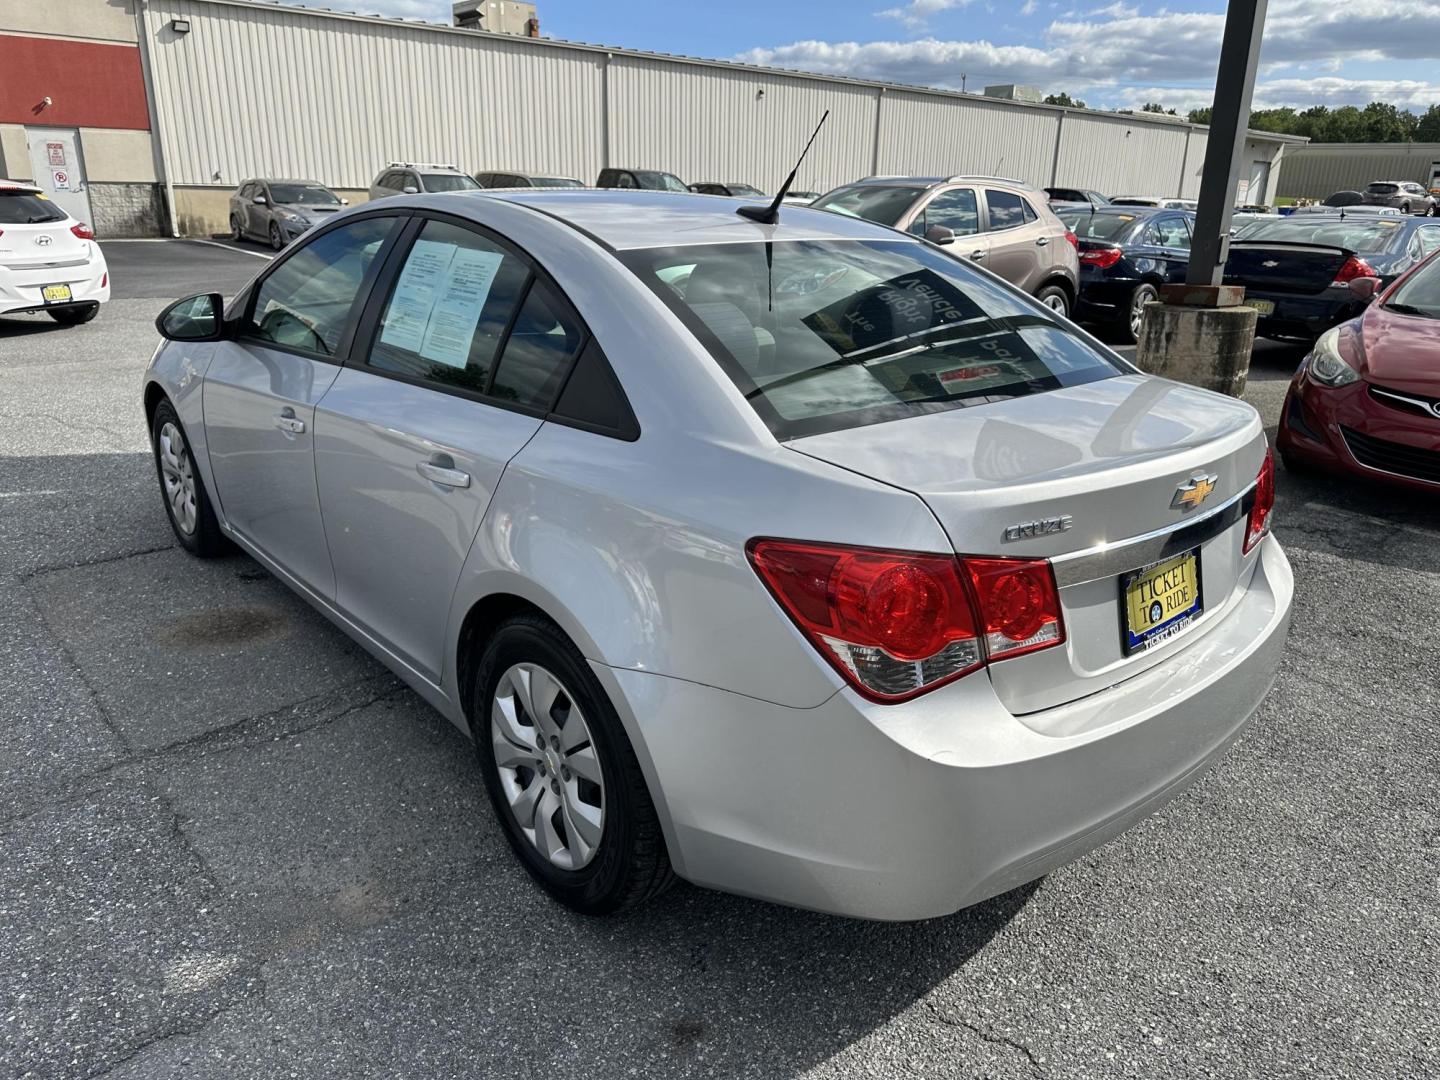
<point>305,303</point>
<point>1172,232</point>
<point>449,309</point>
<point>1006,209</point>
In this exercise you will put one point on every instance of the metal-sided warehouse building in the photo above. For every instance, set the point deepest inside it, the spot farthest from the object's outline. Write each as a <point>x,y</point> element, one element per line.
<point>141,116</point>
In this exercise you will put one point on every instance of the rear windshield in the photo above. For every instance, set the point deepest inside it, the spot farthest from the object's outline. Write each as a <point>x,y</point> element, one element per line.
<point>22,208</point>
<point>882,205</point>
<point>554,181</point>
<point>308,194</point>
<point>1090,226</point>
<point>824,335</point>
<point>448,182</point>
<point>746,189</point>
<point>1383,189</point>
<point>1368,234</point>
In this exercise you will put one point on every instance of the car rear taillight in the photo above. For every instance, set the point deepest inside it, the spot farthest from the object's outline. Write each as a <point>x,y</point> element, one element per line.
<point>1355,267</point>
<point>1072,239</point>
<point>1258,526</point>
<point>1104,258</point>
<point>83,231</point>
<point>896,624</point>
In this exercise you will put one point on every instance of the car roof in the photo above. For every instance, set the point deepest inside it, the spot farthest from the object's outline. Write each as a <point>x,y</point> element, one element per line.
<point>1128,211</point>
<point>625,219</point>
<point>933,181</point>
<point>19,185</point>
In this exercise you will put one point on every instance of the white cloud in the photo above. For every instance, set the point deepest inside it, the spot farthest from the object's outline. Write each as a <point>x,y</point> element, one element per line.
<point>1028,8</point>
<point>916,12</point>
<point>1327,90</point>
<point>1173,54</point>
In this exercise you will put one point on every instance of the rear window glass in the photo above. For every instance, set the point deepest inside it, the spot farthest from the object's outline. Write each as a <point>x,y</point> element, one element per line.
<point>20,208</point>
<point>449,182</point>
<point>883,205</point>
<point>1382,189</point>
<point>823,335</point>
<point>1357,235</point>
<point>1089,226</point>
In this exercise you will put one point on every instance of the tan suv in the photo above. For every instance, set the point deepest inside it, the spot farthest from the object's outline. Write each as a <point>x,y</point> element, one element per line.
<point>1004,225</point>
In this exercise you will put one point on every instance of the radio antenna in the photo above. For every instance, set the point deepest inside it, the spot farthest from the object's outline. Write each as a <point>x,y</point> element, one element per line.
<point>769,215</point>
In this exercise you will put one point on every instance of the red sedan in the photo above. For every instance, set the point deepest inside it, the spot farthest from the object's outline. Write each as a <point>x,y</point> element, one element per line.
<point>1366,400</point>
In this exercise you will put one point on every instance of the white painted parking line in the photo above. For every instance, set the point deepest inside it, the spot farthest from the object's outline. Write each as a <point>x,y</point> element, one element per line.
<point>26,494</point>
<point>228,247</point>
<point>187,240</point>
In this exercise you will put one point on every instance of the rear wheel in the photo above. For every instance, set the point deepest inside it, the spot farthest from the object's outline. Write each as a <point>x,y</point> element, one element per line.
<point>236,233</point>
<point>1405,208</point>
<point>186,503</point>
<point>276,242</point>
<point>1055,298</point>
<point>1432,210</point>
<point>1135,318</point>
<point>561,773</point>
<point>74,316</point>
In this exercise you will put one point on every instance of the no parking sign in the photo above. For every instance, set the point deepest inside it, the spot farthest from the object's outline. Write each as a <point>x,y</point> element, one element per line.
<point>60,179</point>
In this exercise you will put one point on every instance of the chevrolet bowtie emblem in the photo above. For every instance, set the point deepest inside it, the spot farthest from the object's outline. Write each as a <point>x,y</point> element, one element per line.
<point>1193,492</point>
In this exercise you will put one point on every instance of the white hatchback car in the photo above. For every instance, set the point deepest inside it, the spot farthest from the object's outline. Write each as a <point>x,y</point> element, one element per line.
<point>48,261</point>
<point>799,557</point>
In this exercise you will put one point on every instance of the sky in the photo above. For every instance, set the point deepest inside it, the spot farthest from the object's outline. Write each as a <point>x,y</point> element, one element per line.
<point>1116,55</point>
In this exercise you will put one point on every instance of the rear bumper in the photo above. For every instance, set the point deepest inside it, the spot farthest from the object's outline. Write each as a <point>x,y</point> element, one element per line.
<point>20,290</point>
<point>916,810</point>
<point>1305,316</point>
<point>1103,299</point>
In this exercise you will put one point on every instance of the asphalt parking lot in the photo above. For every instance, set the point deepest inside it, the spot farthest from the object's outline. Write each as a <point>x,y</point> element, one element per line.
<point>231,845</point>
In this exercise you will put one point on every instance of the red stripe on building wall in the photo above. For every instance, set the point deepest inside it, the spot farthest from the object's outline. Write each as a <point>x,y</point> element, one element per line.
<point>89,85</point>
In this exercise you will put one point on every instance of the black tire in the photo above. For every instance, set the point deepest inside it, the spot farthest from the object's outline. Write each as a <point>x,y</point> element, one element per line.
<point>1143,294</point>
<point>205,540</point>
<point>1055,298</point>
<point>1432,210</point>
<point>276,242</point>
<point>630,866</point>
<point>74,316</point>
<point>1405,208</point>
<point>237,234</point>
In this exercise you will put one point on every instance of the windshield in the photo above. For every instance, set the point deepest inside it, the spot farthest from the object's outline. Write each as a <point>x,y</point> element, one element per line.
<point>746,189</point>
<point>658,181</point>
<point>1368,235</point>
<point>1419,294</point>
<point>555,181</point>
<point>24,208</point>
<point>308,194</point>
<point>448,182</point>
<point>1088,226</point>
<point>824,335</point>
<point>882,205</point>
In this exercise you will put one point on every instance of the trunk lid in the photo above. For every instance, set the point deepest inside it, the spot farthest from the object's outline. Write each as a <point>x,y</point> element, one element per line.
<point>25,246</point>
<point>1276,267</point>
<point>1109,455</point>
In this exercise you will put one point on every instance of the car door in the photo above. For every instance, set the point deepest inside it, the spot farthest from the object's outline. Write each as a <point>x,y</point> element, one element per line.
<point>956,209</point>
<point>1017,239</point>
<point>460,355</point>
<point>1171,239</point>
<point>261,388</point>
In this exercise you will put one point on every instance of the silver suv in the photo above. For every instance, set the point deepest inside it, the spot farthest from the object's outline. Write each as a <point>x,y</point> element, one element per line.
<point>1004,225</point>
<point>1404,195</point>
<point>413,178</point>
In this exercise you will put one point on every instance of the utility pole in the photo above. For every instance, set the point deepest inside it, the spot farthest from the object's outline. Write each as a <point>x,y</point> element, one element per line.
<point>1225,149</point>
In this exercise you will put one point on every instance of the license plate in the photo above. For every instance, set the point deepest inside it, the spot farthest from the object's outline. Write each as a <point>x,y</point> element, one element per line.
<point>55,294</point>
<point>1159,601</point>
<point>1264,307</point>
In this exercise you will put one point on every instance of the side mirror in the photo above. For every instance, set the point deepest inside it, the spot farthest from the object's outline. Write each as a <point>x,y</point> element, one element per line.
<point>196,318</point>
<point>344,202</point>
<point>410,189</point>
<point>260,200</point>
<point>1364,288</point>
<point>939,234</point>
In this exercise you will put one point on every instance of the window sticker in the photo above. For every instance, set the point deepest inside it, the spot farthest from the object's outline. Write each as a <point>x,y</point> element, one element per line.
<point>437,301</point>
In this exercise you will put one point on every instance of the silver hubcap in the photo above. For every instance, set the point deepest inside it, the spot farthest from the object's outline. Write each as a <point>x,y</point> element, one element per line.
<point>179,476</point>
<point>547,765</point>
<point>1137,311</point>
<point>1055,302</point>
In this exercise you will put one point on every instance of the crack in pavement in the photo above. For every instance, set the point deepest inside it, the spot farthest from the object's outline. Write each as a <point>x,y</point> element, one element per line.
<point>986,1035</point>
<point>80,564</point>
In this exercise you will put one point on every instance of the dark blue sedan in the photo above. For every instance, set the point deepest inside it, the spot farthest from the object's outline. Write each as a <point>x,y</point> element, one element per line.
<point>1126,254</point>
<point>1297,270</point>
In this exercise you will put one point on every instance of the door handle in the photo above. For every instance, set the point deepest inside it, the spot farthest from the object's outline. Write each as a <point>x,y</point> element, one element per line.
<point>1041,241</point>
<point>440,469</point>
<point>978,253</point>
<point>286,420</point>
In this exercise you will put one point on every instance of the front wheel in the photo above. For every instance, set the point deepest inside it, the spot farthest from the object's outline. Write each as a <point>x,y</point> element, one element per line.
<point>74,316</point>
<point>1405,208</point>
<point>561,773</point>
<point>236,233</point>
<point>1433,210</point>
<point>276,243</point>
<point>186,502</point>
<point>1135,320</point>
<point>1055,298</point>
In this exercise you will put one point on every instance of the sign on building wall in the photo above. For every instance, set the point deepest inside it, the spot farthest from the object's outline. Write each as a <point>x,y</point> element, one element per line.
<point>56,153</point>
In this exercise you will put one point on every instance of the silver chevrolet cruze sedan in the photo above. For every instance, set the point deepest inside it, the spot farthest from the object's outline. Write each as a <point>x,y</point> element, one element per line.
<point>800,559</point>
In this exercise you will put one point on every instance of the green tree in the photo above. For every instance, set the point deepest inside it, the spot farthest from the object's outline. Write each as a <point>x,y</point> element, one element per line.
<point>1347,124</point>
<point>1065,99</point>
<point>1427,127</point>
<point>1386,123</point>
<point>1200,116</point>
<point>1156,107</point>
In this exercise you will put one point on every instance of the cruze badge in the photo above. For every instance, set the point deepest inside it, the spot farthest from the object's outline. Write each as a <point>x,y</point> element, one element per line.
<point>1193,492</point>
<point>1029,530</point>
